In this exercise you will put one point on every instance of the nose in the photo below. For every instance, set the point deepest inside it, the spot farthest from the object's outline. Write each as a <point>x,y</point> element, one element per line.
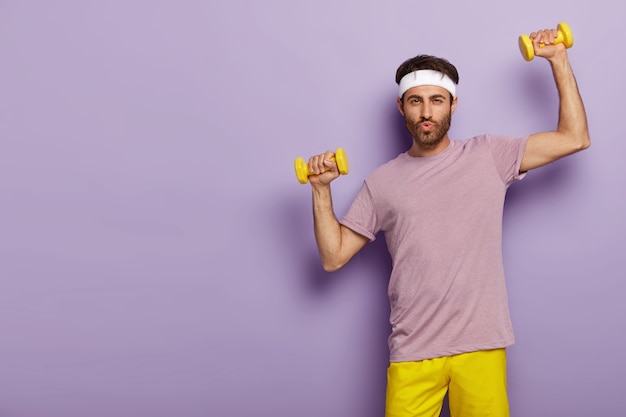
<point>427,110</point>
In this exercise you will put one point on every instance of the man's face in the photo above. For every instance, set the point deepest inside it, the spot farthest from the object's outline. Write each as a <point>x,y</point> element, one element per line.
<point>427,112</point>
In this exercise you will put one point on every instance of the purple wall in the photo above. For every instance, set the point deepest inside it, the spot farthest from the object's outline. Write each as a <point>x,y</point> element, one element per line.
<point>156,251</point>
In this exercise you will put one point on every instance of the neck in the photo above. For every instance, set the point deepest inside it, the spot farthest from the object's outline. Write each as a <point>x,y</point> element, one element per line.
<point>419,150</point>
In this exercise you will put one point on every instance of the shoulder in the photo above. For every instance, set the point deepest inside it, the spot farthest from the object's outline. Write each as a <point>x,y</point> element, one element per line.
<point>497,140</point>
<point>477,141</point>
<point>390,168</point>
<point>494,142</point>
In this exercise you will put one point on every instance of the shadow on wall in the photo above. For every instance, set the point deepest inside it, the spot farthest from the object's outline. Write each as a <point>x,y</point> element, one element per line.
<point>445,410</point>
<point>373,258</point>
<point>370,267</point>
<point>538,91</point>
<point>397,129</point>
<point>539,183</point>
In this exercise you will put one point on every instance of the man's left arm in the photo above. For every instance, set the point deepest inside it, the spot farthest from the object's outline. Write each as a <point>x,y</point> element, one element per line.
<point>572,133</point>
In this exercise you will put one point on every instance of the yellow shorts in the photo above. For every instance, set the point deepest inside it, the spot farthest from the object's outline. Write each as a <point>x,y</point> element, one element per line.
<point>475,382</point>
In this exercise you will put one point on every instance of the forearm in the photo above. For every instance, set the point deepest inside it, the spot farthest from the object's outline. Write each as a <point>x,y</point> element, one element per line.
<point>327,228</point>
<point>572,122</point>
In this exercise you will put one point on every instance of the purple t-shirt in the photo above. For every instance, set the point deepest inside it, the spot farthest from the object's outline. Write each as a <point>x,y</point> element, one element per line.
<point>442,220</point>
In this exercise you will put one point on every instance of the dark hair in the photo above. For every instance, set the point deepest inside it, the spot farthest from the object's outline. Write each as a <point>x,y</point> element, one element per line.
<point>427,62</point>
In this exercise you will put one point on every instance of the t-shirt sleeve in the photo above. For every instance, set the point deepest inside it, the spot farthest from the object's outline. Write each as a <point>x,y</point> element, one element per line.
<point>507,155</point>
<point>361,216</point>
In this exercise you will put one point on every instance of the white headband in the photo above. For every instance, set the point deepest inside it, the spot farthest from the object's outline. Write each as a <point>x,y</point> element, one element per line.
<point>426,77</point>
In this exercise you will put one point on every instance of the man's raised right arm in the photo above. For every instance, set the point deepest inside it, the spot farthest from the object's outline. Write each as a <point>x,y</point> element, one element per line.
<point>336,243</point>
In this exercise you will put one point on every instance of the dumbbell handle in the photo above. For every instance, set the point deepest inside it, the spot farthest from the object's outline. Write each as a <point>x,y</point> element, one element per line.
<point>564,36</point>
<point>303,172</point>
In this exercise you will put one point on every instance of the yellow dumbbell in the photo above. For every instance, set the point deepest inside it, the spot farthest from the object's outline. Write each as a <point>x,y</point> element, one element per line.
<point>302,169</point>
<point>564,36</point>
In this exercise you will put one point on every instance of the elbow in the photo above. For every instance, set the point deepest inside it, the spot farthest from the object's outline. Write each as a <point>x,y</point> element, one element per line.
<point>328,267</point>
<point>583,143</point>
<point>574,139</point>
<point>586,143</point>
<point>579,142</point>
<point>332,265</point>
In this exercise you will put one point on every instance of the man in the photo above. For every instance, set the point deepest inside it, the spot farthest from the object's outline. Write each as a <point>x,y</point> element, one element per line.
<point>440,207</point>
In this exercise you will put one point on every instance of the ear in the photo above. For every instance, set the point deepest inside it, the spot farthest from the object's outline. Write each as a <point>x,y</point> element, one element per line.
<point>400,106</point>
<point>453,104</point>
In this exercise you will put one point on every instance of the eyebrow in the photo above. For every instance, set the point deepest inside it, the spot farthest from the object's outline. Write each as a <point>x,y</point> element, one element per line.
<point>429,97</point>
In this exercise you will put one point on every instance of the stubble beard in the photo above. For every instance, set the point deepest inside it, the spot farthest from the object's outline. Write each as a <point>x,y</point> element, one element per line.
<point>431,138</point>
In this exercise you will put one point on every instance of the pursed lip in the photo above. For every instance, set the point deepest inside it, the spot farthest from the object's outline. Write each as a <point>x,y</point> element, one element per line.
<point>427,125</point>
